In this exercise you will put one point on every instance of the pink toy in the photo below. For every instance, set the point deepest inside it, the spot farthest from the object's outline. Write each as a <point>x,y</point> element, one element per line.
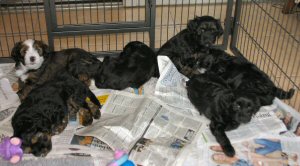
<point>121,159</point>
<point>10,149</point>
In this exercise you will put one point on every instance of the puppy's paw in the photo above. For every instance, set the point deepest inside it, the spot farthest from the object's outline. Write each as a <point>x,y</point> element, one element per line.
<point>228,150</point>
<point>96,113</point>
<point>21,95</point>
<point>57,129</point>
<point>231,126</point>
<point>85,117</point>
<point>85,79</point>
<point>94,109</point>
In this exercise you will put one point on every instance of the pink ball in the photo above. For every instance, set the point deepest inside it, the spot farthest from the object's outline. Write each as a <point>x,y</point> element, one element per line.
<point>15,159</point>
<point>15,141</point>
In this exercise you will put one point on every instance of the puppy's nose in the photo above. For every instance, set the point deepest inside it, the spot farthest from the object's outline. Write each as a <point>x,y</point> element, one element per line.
<point>32,59</point>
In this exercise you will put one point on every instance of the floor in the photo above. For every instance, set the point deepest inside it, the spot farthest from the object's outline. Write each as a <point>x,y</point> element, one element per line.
<point>266,37</point>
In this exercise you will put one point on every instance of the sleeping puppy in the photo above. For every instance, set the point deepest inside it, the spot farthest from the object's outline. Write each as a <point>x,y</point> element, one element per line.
<point>132,68</point>
<point>225,108</point>
<point>199,35</point>
<point>242,75</point>
<point>35,65</point>
<point>45,112</point>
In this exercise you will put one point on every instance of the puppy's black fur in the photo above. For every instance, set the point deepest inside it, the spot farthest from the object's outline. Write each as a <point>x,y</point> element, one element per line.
<point>45,112</point>
<point>199,35</point>
<point>242,75</point>
<point>132,68</point>
<point>226,108</point>
<point>80,63</point>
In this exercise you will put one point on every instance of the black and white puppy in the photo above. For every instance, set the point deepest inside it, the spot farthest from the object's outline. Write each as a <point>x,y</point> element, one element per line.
<point>186,46</point>
<point>225,108</point>
<point>135,65</point>
<point>44,65</point>
<point>242,75</point>
<point>45,112</point>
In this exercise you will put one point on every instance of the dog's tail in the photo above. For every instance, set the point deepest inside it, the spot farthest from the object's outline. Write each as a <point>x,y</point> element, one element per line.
<point>281,94</point>
<point>93,98</point>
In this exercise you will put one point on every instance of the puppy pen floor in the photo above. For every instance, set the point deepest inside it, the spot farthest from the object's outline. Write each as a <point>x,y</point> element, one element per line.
<point>264,47</point>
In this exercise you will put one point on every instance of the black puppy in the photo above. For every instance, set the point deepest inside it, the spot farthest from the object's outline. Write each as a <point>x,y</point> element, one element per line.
<point>199,35</point>
<point>242,75</point>
<point>35,64</point>
<point>132,68</point>
<point>226,109</point>
<point>45,112</point>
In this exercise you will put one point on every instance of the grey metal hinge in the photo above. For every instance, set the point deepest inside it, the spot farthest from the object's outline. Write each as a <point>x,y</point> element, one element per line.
<point>231,25</point>
<point>150,4</point>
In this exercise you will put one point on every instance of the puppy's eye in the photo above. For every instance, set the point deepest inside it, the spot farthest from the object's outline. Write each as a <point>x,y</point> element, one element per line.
<point>23,52</point>
<point>221,70</point>
<point>102,80</point>
<point>39,50</point>
<point>237,107</point>
<point>206,64</point>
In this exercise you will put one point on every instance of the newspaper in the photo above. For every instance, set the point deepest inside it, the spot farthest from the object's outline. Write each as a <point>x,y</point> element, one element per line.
<point>262,150</point>
<point>289,116</point>
<point>8,71</point>
<point>8,97</point>
<point>264,121</point>
<point>170,87</point>
<point>9,101</point>
<point>144,126</point>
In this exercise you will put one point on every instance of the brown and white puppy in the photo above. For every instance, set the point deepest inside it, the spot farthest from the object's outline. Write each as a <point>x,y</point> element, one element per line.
<point>29,55</point>
<point>35,65</point>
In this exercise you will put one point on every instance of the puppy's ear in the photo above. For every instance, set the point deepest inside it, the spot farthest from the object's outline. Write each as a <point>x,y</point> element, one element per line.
<point>192,25</point>
<point>15,52</point>
<point>106,60</point>
<point>44,47</point>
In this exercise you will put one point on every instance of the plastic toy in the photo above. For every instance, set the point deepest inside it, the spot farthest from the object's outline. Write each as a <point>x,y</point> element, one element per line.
<point>10,149</point>
<point>121,159</point>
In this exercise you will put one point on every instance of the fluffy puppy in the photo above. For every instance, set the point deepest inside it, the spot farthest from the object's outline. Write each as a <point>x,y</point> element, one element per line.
<point>78,62</point>
<point>29,55</point>
<point>212,97</point>
<point>132,68</point>
<point>242,75</point>
<point>45,112</point>
<point>199,35</point>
